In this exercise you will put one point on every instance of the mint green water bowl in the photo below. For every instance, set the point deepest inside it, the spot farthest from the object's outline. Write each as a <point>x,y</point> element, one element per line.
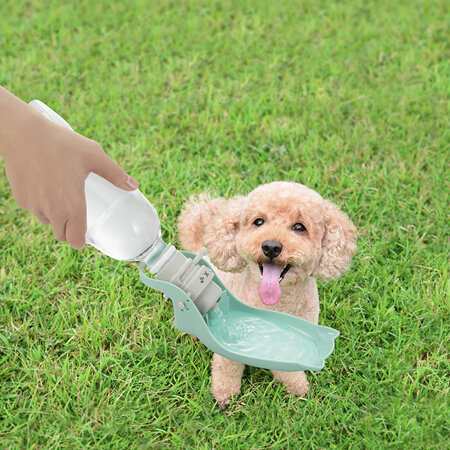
<point>252,336</point>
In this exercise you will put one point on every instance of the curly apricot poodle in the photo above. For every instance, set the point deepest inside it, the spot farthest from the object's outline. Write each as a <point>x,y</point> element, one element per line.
<point>268,248</point>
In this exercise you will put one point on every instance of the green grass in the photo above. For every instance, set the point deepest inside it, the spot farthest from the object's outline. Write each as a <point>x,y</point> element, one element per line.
<point>350,98</point>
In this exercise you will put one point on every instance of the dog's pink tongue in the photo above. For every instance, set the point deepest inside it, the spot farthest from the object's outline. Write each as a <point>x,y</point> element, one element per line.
<point>269,288</point>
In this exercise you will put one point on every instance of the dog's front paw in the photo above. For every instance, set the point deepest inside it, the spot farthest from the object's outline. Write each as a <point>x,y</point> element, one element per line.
<point>226,379</point>
<point>296,383</point>
<point>223,394</point>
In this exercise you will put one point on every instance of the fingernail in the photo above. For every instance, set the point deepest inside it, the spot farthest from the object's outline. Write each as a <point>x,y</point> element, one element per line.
<point>132,183</point>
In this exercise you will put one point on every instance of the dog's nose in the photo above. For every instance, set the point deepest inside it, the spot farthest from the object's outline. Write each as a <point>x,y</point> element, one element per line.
<point>271,248</point>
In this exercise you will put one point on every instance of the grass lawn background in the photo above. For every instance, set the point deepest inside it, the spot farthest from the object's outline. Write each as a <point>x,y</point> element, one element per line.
<point>350,98</point>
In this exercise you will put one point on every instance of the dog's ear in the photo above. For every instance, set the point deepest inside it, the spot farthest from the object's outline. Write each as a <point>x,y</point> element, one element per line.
<point>213,223</point>
<point>338,243</point>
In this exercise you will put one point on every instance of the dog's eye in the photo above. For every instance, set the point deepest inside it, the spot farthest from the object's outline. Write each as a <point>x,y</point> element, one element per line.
<point>299,227</point>
<point>258,222</point>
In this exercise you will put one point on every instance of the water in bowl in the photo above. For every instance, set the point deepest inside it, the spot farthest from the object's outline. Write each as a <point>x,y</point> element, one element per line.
<point>250,334</point>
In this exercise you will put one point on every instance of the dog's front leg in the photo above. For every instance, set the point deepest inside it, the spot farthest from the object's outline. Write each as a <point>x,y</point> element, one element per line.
<point>296,382</point>
<point>226,379</point>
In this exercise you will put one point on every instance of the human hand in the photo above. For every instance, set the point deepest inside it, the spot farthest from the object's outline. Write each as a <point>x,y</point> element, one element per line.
<point>47,165</point>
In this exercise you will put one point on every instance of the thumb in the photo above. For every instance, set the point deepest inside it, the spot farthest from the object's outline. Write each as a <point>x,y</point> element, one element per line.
<point>104,166</point>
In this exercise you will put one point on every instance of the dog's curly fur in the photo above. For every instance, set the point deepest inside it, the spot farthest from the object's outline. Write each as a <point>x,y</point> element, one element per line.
<point>226,228</point>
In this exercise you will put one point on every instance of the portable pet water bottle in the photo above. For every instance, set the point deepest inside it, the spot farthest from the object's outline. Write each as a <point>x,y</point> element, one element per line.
<point>125,226</point>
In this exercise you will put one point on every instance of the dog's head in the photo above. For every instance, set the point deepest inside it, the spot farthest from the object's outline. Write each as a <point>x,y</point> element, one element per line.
<point>282,232</point>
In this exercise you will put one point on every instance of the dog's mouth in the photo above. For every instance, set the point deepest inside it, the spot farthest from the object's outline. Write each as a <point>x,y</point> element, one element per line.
<point>271,277</point>
<point>282,274</point>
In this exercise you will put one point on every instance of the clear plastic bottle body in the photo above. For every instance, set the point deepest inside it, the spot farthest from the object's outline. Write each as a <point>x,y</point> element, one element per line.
<point>121,224</point>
